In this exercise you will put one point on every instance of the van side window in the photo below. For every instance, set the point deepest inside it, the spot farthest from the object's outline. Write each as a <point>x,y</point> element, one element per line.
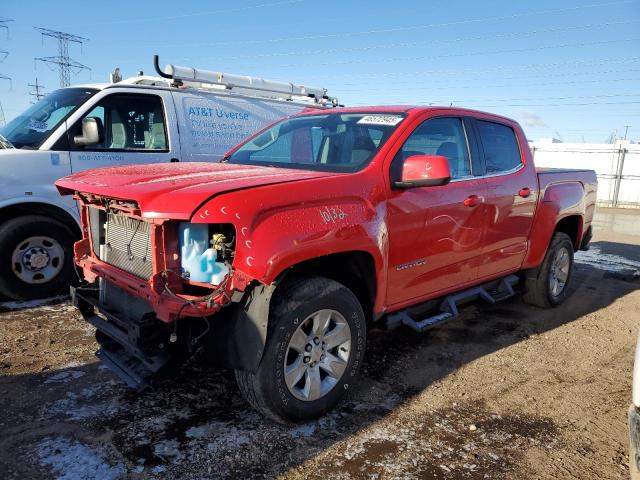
<point>501,150</point>
<point>130,122</point>
<point>438,136</point>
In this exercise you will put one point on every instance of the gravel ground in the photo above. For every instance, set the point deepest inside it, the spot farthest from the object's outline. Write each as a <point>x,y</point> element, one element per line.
<point>503,391</point>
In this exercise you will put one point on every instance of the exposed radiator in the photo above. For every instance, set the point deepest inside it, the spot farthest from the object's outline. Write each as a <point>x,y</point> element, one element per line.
<point>126,243</point>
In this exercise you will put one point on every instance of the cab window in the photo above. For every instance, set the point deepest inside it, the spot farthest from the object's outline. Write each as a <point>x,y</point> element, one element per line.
<point>438,136</point>
<point>128,122</point>
<point>501,150</point>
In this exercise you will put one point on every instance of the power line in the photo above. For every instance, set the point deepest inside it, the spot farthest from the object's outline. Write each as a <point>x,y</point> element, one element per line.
<point>441,72</point>
<point>386,46</point>
<point>63,61</point>
<point>403,29</point>
<point>502,77</point>
<point>460,87</point>
<point>454,55</point>
<point>196,14</point>
<point>498,99</point>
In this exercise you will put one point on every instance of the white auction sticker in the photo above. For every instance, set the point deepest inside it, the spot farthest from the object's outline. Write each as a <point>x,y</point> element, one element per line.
<point>380,120</point>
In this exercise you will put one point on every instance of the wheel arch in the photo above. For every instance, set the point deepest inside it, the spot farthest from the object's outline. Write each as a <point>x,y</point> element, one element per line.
<point>245,335</point>
<point>16,210</point>
<point>354,269</point>
<point>572,226</point>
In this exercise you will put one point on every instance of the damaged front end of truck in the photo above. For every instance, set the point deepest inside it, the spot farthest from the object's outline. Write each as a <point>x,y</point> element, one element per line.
<point>158,290</point>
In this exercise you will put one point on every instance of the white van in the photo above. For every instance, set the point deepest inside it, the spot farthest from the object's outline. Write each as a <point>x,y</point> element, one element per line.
<point>183,115</point>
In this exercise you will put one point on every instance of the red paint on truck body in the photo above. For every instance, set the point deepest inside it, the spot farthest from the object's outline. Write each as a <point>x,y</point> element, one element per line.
<point>424,242</point>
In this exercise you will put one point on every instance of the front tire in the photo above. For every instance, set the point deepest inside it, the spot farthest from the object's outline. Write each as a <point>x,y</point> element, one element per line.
<point>36,257</point>
<point>315,345</point>
<point>548,285</point>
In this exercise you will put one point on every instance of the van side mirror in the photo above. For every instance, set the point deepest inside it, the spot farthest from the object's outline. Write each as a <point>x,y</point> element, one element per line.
<point>424,171</point>
<point>92,132</point>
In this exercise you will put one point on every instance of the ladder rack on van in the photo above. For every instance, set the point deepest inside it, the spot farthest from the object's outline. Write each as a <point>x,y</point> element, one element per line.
<point>244,84</point>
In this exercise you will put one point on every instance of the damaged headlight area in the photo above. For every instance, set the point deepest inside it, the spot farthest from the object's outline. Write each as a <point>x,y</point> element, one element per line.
<point>206,251</point>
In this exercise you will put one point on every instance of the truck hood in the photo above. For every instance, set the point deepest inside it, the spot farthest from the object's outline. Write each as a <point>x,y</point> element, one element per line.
<point>175,190</point>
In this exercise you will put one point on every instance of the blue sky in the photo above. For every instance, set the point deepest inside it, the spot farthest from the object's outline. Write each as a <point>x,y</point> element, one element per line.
<point>565,69</point>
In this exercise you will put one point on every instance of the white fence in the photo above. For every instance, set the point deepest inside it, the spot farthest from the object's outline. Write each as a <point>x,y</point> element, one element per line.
<point>617,166</point>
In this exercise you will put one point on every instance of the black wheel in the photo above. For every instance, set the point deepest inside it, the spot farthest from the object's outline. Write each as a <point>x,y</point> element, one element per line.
<point>548,285</point>
<point>36,257</point>
<point>315,346</point>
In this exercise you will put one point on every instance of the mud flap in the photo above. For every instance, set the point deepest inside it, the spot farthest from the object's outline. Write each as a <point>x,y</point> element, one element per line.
<point>237,340</point>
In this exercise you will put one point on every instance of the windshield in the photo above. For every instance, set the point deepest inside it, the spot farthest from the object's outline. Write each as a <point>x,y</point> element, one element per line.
<point>31,128</point>
<point>333,142</point>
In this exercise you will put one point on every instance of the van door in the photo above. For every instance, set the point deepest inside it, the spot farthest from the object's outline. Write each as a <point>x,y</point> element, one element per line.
<point>211,124</point>
<point>134,129</point>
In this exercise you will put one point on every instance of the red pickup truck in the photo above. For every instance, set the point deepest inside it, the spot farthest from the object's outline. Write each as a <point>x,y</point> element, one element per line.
<point>276,260</point>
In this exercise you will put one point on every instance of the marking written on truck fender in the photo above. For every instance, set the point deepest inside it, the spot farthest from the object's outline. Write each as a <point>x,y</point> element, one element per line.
<point>415,263</point>
<point>330,215</point>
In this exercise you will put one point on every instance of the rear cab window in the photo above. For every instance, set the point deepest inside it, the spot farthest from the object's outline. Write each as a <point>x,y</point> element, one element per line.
<point>500,146</point>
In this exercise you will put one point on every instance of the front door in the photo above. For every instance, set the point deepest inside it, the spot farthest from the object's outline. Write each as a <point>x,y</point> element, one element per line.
<point>134,131</point>
<point>435,233</point>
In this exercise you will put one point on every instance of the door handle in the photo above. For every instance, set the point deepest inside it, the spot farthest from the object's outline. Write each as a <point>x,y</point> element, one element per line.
<point>524,192</point>
<point>472,200</point>
<point>174,160</point>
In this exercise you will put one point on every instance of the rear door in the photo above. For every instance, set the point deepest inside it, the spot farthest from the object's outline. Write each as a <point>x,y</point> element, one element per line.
<point>511,198</point>
<point>136,129</point>
<point>435,233</point>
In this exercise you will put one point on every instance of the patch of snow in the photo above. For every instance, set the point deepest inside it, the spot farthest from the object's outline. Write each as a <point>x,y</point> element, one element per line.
<point>71,460</point>
<point>606,261</point>
<point>64,377</point>
<point>16,305</point>
<point>304,430</point>
<point>222,435</point>
<point>72,405</point>
<point>168,450</point>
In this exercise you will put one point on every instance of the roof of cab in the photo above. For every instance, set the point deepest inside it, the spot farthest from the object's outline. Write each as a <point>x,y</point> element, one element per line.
<point>414,109</point>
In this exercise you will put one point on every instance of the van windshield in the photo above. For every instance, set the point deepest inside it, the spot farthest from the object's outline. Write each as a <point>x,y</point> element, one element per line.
<point>31,128</point>
<point>335,142</point>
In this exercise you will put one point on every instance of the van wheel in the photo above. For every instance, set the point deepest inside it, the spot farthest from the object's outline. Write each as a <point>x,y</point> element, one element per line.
<point>548,285</point>
<point>36,257</point>
<point>315,346</point>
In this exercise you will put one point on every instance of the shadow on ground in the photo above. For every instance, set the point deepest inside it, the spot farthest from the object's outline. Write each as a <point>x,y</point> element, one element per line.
<point>197,424</point>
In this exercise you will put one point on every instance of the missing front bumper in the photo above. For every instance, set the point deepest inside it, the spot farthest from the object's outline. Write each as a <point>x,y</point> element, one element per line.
<point>133,345</point>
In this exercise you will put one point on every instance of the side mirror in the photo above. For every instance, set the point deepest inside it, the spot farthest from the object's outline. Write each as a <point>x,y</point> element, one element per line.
<point>424,171</point>
<point>92,132</point>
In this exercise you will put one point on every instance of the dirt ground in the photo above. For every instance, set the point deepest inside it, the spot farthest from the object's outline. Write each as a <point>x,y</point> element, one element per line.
<point>503,391</point>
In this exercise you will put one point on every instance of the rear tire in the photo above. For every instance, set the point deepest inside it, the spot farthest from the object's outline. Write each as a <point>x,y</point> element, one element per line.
<point>548,285</point>
<point>315,345</point>
<point>36,257</point>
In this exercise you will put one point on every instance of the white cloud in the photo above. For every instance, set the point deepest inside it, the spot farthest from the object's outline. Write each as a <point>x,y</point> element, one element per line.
<point>531,119</point>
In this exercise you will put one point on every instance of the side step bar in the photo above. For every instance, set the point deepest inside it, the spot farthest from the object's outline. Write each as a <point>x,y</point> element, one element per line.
<point>491,292</point>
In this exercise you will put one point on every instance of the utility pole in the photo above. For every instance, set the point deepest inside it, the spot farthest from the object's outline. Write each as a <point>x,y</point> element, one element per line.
<point>2,121</point>
<point>37,92</point>
<point>626,130</point>
<point>3,24</point>
<point>63,61</point>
